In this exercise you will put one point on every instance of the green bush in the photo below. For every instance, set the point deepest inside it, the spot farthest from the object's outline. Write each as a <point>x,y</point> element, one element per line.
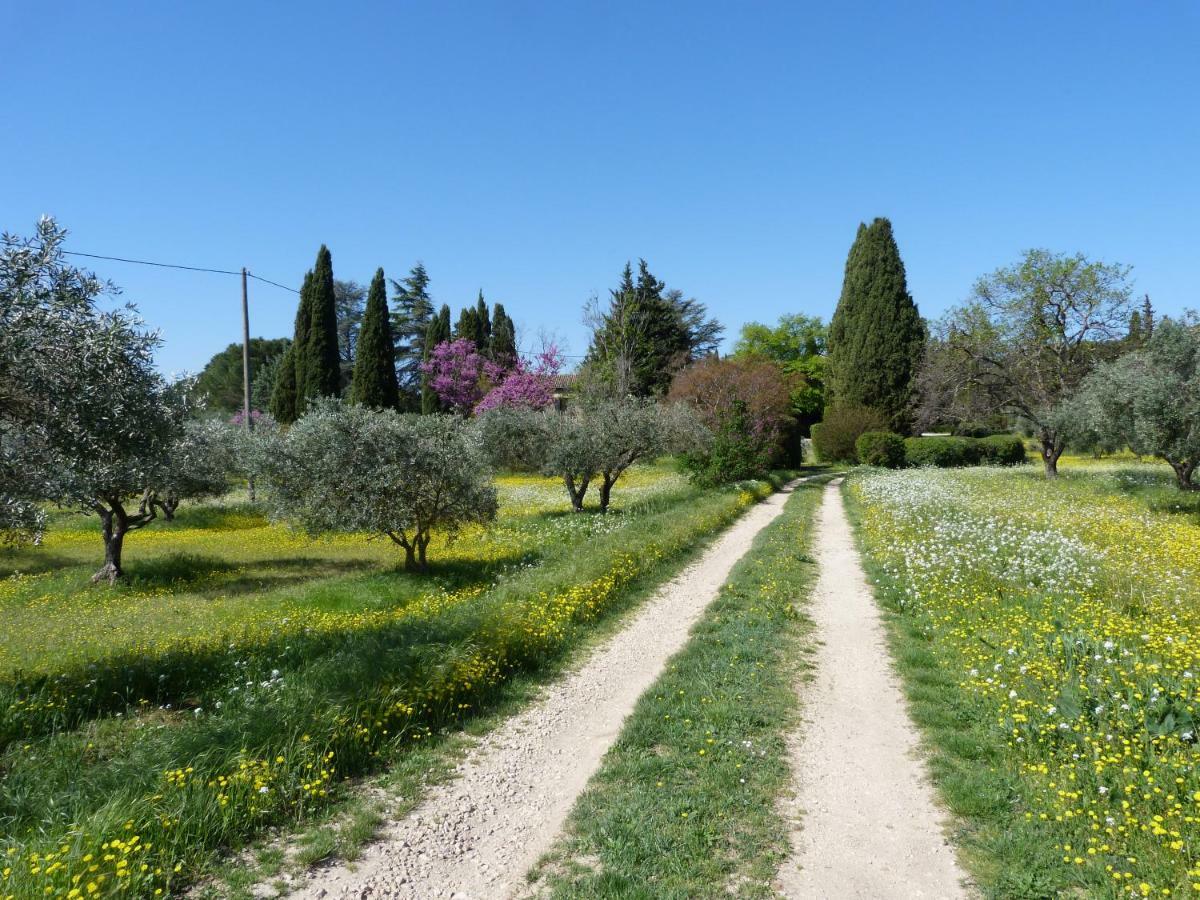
<point>941,452</point>
<point>1002,450</point>
<point>880,448</point>
<point>834,439</point>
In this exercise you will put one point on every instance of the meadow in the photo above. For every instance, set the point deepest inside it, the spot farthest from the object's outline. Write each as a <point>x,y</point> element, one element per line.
<point>1049,637</point>
<point>244,672</point>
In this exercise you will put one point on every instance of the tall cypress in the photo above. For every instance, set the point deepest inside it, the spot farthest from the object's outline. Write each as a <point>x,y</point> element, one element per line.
<point>876,337</point>
<point>286,405</point>
<point>437,332</point>
<point>374,382</point>
<point>483,324</point>
<point>467,326</point>
<point>283,394</point>
<point>322,368</point>
<point>503,345</point>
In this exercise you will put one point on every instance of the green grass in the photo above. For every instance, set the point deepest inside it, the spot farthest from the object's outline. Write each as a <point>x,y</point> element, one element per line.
<point>196,741</point>
<point>684,803</point>
<point>1047,636</point>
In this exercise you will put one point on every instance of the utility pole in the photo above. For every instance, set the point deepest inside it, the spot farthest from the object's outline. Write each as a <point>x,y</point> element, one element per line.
<point>246,422</point>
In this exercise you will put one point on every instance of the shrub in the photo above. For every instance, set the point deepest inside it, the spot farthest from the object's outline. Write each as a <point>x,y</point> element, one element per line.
<point>941,452</point>
<point>1002,450</point>
<point>746,406</point>
<point>834,439</point>
<point>880,448</point>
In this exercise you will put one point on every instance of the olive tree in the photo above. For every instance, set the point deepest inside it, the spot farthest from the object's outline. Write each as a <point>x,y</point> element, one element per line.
<point>85,418</point>
<point>198,465</point>
<point>347,468</point>
<point>1030,334</point>
<point>593,442</point>
<point>1149,399</point>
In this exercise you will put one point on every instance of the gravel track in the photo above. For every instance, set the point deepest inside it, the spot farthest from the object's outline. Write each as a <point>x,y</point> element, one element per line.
<point>866,823</point>
<point>476,836</point>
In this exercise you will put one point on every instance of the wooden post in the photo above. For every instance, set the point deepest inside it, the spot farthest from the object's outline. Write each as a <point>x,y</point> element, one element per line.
<point>246,421</point>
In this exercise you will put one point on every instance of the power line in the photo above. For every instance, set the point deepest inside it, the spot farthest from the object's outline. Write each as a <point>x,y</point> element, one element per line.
<point>269,281</point>
<point>162,265</point>
<point>146,262</point>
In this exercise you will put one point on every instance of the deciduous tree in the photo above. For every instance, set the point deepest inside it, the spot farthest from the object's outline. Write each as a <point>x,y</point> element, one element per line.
<point>1030,335</point>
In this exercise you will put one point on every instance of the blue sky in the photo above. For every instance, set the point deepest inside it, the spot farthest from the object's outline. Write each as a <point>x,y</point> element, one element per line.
<point>531,148</point>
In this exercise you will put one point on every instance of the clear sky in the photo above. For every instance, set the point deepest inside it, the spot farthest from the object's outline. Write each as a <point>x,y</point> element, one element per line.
<point>531,148</point>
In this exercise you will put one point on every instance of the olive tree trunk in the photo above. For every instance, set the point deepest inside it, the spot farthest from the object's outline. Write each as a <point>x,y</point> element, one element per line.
<point>1051,448</point>
<point>577,490</point>
<point>1183,475</point>
<point>115,523</point>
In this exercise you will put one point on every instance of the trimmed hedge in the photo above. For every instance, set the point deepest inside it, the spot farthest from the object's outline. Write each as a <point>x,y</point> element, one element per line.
<point>941,452</point>
<point>951,452</point>
<point>1002,450</point>
<point>881,448</point>
<point>834,438</point>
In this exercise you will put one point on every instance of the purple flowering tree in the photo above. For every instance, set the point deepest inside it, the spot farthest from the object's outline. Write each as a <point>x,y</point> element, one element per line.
<point>524,385</point>
<point>459,374</point>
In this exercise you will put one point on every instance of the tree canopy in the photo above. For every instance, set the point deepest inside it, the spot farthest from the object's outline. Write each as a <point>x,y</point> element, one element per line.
<point>1028,337</point>
<point>1149,398</point>
<point>220,381</point>
<point>876,336</point>
<point>348,468</point>
<point>374,383</point>
<point>645,335</point>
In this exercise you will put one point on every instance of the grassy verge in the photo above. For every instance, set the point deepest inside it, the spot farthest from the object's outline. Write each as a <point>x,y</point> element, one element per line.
<point>139,800</point>
<point>684,804</point>
<point>1048,637</point>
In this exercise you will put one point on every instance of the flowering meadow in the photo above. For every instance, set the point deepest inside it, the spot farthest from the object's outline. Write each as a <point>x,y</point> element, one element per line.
<point>1049,634</point>
<point>245,671</point>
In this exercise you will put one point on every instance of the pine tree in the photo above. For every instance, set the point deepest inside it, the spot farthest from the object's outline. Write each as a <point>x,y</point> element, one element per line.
<point>1147,318</point>
<point>641,341</point>
<point>503,346</point>
<point>483,324</point>
<point>321,367</point>
<point>437,332</point>
<point>411,314</point>
<point>374,382</point>
<point>876,338</point>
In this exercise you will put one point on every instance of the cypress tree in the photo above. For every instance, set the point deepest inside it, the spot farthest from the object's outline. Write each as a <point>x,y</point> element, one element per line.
<point>1135,337</point>
<point>322,368</point>
<point>467,326</point>
<point>503,345</point>
<point>283,394</point>
<point>483,324</point>
<point>374,382</point>
<point>876,337</point>
<point>437,332</point>
<point>286,405</point>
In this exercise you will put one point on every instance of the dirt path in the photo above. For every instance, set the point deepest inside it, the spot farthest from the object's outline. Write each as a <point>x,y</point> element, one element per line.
<point>478,835</point>
<point>866,824</point>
